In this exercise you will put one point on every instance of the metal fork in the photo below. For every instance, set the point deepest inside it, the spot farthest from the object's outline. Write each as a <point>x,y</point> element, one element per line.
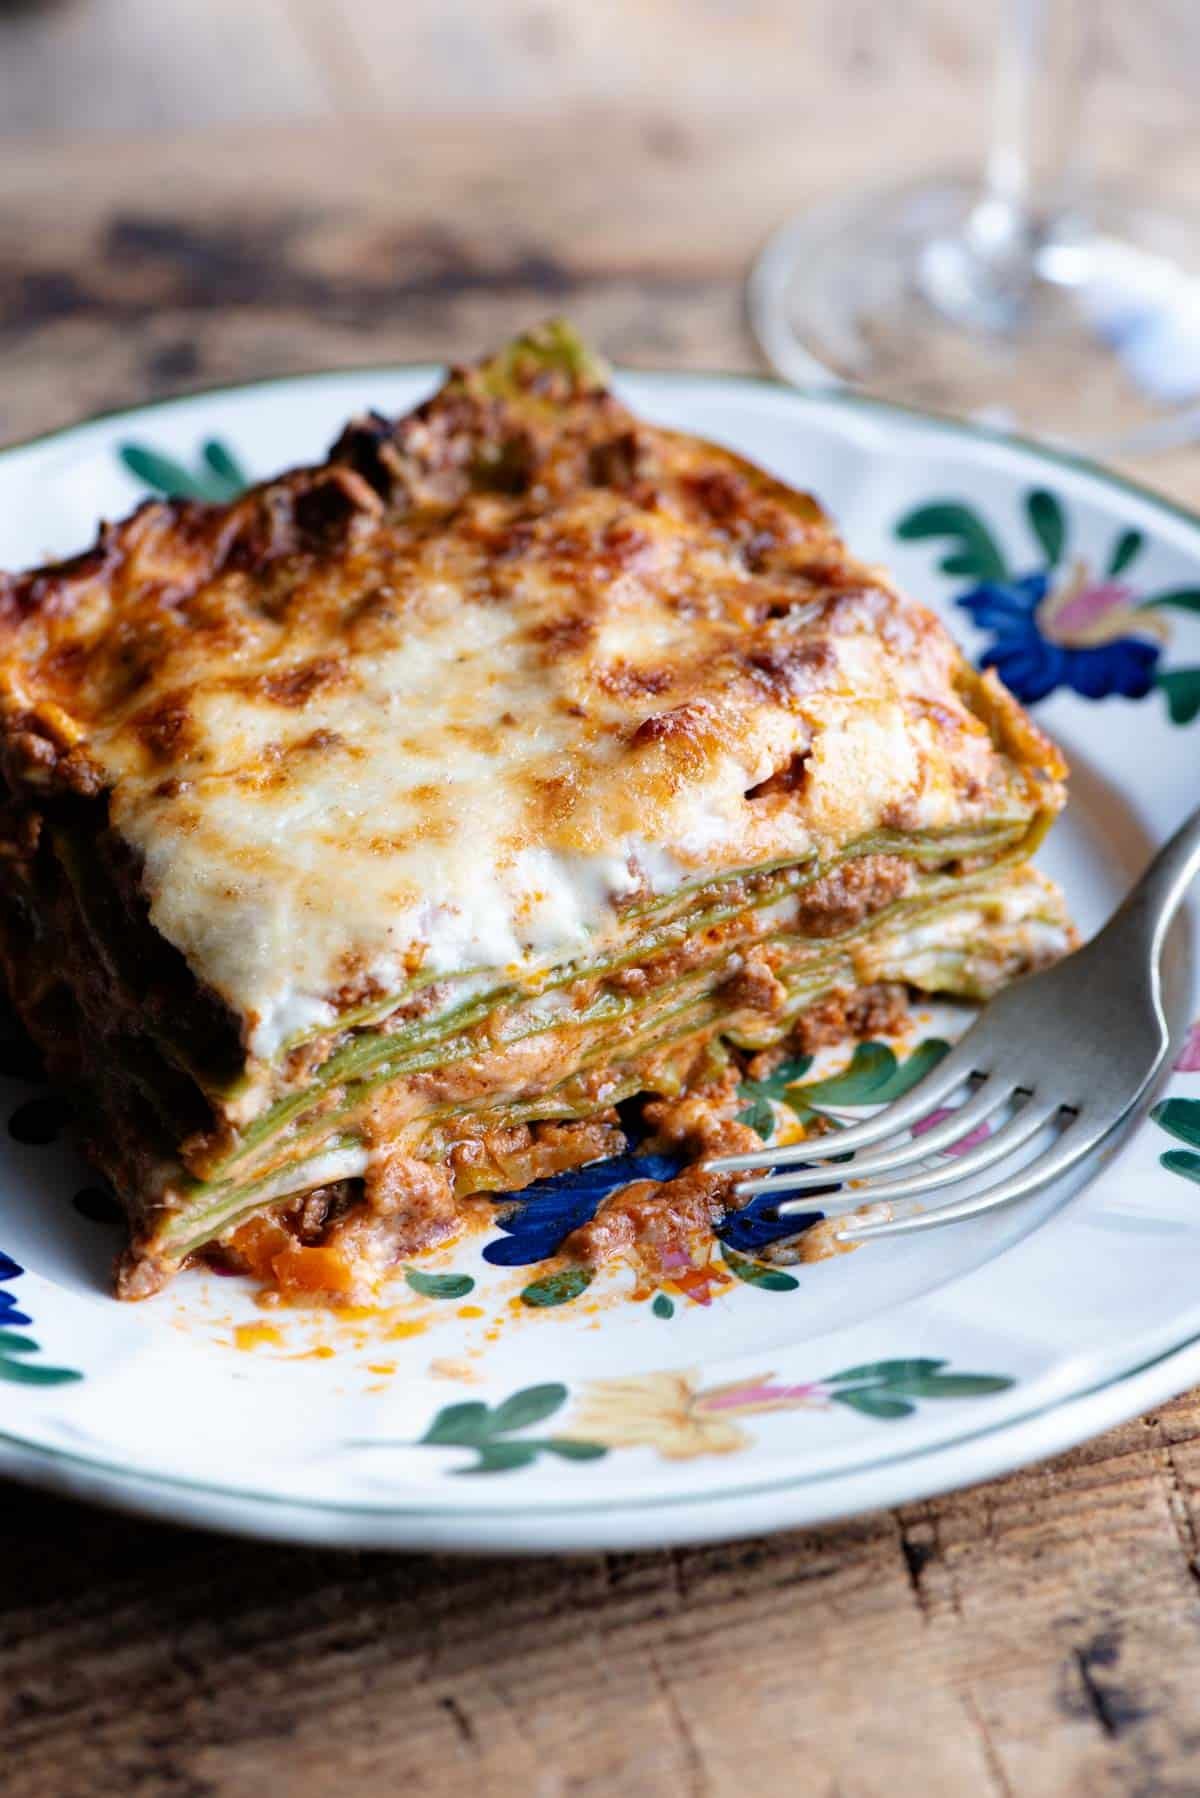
<point>1070,1051</point>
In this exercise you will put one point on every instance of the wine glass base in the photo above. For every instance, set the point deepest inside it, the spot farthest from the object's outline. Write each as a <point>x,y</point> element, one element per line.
<point>1085,337</point>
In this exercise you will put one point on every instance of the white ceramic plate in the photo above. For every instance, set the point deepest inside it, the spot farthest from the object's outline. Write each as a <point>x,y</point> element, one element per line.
<point>735,1398</point>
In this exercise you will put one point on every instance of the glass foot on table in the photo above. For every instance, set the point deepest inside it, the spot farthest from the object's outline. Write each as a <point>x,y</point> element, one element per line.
<point>936,296</point>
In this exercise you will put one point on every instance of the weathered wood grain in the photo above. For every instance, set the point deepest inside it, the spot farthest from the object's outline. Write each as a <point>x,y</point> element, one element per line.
<point>139,65</point>
<point>144,268</point>
<point>136,65</point>
<point>1036,1638</point>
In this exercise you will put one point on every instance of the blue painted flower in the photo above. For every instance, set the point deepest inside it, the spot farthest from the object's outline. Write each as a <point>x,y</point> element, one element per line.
<point>1061,625</point>
<point>9,1312</point>
<point>755,1225</point>
<point>544,1215</point>
<point>1075,635</point>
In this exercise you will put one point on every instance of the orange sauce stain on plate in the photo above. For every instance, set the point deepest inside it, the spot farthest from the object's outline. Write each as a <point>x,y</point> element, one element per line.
<point>405,1326</point>
<point>252,1336</point>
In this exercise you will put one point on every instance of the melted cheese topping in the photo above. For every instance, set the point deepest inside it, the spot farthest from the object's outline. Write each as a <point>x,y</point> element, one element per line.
<point>455,729</point>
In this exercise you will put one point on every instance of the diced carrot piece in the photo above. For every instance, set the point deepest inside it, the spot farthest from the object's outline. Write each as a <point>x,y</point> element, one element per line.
<point>297,1269</point>
<point>257,1243</point>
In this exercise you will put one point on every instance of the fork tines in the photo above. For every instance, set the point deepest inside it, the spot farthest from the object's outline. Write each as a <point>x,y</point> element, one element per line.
<point>864,1155</point>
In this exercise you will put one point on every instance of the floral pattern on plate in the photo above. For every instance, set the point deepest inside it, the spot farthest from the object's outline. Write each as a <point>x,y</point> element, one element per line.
<point>17,1352</point>
<point>674,1414</point>
<point>217,477</point>
<point>1067,622</point>
<point>535,1223</point>
<point>1180,1118</point>
<point>1188,1059</point>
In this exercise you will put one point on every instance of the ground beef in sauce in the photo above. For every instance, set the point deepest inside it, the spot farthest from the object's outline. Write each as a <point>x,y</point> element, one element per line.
<point>851,892</point>
<point>755,987</point>
<point>416,1197</point>
<point>868,1011</point>
<point>313,1213</point>
<point>660,1218</point>
<point>657,1220</point>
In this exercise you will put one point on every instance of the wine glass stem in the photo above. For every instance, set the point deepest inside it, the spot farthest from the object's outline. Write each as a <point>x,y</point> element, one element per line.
<point>1032,173</point>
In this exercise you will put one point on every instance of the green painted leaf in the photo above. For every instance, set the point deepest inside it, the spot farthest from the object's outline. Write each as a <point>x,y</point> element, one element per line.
<point>1182,599</point>
<point>557,1289</point>
<point>974,553</point>
<point>162,472</point>
<point>458,1425</point>
<point>225,465</point>
<point>220,476</point>
<point>439,1286</point>
<point>1126,548</point>
<point>569,1450</point>
<point>758,1115</point>
<point>872,1066</point>
<point>19,1370</point>
<point>916,1378</point>
<point>767,1279</point>
<point>500,1457</point>
<point>1181,1117</point>
<point>962,561</point>
<point>32,1373</point>
<point>1048,523</point>
<point>490,1432</point>
<point>871,1402</point>
<point>884,1370</point>
<point>1182,688</point>
<point>663,1306</point>
<point>1182,1161</point>
<point>786,1074</point>
<point>874,1076</point>
<point>531,1405</point>
<point>913,1068</point>
<point>949,1385</point>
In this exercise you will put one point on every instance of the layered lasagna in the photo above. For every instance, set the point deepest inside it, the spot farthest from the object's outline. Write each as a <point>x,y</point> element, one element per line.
<point>396,832</point>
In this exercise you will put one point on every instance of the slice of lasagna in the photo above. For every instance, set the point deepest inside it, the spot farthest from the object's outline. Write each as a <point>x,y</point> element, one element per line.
<point>369,840</point>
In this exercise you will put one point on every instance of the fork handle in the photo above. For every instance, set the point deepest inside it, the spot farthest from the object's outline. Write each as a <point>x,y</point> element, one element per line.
<point>1156,898</point>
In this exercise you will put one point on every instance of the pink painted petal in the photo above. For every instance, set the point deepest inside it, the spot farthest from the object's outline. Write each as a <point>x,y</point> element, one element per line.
<point>733,1398</point>
<point>1188,1059</point>
<point>971,1141</point>
<point>1091,603</point>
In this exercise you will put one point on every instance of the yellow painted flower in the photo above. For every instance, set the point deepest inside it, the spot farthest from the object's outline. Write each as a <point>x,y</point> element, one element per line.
<point>672,1413</point>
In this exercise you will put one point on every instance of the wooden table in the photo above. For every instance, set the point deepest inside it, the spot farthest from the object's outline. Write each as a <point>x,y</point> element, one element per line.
<point>1036,1636</point>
